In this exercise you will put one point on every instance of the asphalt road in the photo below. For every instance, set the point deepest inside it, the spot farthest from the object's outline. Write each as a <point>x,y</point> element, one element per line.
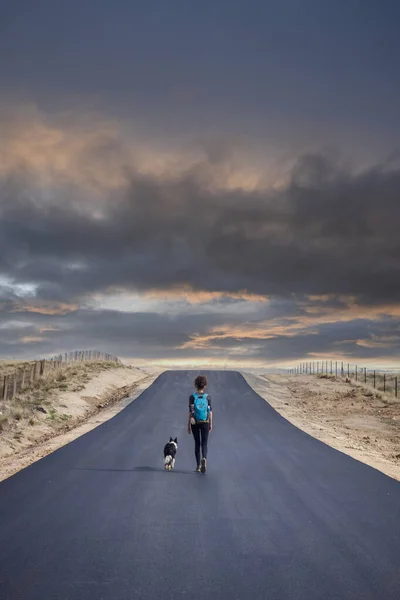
<point>278,515</point>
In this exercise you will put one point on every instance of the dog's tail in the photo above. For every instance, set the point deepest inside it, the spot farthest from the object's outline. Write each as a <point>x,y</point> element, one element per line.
<point>167,460</point>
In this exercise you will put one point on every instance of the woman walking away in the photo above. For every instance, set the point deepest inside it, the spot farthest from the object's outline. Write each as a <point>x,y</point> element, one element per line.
<point>200,421</point>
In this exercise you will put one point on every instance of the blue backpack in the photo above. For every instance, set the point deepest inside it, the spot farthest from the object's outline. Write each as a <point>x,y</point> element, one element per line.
<point>201,408</point>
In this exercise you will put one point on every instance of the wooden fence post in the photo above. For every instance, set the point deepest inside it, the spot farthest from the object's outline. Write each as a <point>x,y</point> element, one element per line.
<point>384,382</point>
<point>5,388</point>
<point>374,379</point>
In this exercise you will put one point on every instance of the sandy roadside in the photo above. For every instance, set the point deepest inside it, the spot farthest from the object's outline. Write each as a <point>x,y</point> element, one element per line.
<point>86,411</point>
<point>351,418</point>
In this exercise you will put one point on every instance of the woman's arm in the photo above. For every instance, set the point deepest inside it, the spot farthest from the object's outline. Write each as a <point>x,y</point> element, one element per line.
<point>190,413</point>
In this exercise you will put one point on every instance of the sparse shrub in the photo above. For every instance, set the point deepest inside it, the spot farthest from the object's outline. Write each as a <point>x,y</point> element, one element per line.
<point>78,388</point>
<point>38,400</point>
<point>52,414</point>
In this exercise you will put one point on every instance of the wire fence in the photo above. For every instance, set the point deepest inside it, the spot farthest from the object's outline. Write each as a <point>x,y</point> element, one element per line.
<point>379,380</point>
<point>23,377</point>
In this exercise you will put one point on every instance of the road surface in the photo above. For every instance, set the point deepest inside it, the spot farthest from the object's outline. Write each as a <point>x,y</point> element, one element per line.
<point>278,515</point>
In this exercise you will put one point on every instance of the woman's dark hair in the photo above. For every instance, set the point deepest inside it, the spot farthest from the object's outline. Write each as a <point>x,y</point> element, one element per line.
<point>200,382</point>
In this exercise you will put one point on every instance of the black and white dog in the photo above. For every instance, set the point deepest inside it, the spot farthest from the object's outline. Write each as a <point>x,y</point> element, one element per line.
<point>170,449</point>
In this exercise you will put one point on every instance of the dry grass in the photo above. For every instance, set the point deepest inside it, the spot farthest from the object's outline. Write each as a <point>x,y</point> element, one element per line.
<point>9,366</point>
<point>384,382</point>
<point>37,399</point>
<point>382,391</point>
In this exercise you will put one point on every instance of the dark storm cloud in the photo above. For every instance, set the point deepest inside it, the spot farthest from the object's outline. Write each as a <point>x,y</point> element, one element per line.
<point>329,231</point>
<point>286,71</point>
<point>139,334</point>
<point>286,75</point>
<point>356,340</point>
<point>162,336</point>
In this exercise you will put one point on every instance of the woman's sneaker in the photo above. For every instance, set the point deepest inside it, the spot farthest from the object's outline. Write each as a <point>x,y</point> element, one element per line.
<point>198,469</point>
<point>203,467</point>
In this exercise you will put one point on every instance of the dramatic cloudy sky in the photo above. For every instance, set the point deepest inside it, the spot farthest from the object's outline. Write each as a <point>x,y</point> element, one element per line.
<point>211,182</point>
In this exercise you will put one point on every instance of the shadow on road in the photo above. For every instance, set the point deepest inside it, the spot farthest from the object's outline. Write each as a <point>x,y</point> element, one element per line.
<point>136,470</point>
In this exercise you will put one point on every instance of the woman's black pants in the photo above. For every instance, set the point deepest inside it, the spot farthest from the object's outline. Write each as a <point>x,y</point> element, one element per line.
<point>200,433</point>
